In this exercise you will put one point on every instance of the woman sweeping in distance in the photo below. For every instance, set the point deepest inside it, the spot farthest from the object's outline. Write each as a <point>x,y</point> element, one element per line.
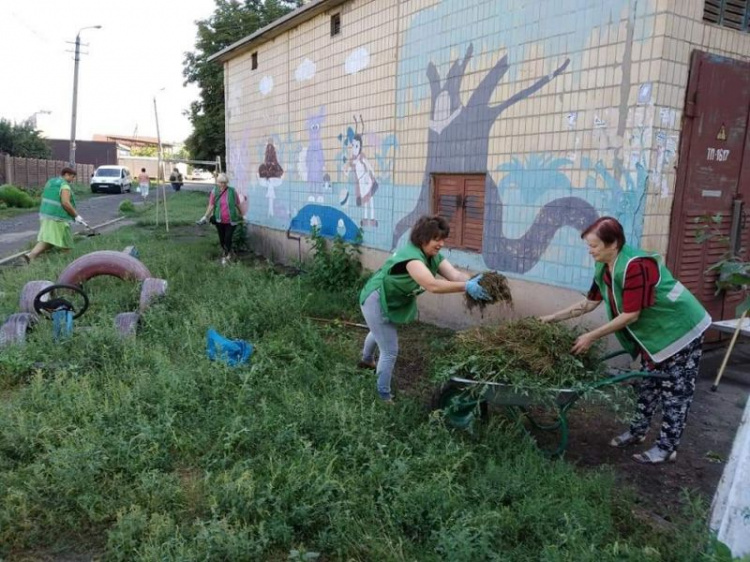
<point>57,211</point>
<point>651,314</point>
<point>390,296</point>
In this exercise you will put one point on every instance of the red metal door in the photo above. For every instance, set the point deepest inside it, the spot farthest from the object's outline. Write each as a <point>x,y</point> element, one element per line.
<point>713,175</point>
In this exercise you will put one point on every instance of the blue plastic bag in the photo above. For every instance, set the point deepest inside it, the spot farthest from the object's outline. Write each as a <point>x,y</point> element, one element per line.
<point>233,352</point>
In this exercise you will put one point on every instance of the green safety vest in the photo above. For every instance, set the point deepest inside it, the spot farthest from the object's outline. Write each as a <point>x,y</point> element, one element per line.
<point>51,207</point>
<point>674,320</point>
<point>398,292</point>
<point>234,214</point>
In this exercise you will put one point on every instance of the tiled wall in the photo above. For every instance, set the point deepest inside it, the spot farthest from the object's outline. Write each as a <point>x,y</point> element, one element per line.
<point>589,123</point>
<point>681,30</point>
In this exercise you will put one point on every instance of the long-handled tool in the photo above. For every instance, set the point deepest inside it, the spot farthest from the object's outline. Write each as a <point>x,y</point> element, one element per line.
<point>737,331</point>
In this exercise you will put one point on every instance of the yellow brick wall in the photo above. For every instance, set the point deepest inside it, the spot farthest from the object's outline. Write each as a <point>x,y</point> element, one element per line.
<point>604,132</point>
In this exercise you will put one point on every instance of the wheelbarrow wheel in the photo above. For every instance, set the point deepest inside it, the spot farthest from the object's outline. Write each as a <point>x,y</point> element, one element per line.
<point>459,405</point>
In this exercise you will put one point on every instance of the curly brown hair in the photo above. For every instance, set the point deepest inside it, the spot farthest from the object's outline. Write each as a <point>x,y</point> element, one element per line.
<point>429,228</point>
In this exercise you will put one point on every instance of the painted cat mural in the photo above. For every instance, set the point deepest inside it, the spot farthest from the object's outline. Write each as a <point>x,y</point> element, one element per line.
<point>458,142</point>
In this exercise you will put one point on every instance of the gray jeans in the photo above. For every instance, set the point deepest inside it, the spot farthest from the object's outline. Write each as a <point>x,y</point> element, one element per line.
<point>383,335</point>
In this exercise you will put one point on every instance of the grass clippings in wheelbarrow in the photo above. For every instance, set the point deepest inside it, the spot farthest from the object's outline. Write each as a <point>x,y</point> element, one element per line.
<point>525,353</point>
<point>496,285</point>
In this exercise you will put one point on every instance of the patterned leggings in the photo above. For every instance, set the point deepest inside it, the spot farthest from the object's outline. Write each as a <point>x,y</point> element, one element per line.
<point>675,393</point>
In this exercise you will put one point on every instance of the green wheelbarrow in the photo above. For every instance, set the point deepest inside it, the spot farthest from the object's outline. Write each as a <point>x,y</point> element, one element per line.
<point>465,401</point>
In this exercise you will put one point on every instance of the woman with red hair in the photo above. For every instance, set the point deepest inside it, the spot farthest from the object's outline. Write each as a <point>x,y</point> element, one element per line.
<point>652,315</point>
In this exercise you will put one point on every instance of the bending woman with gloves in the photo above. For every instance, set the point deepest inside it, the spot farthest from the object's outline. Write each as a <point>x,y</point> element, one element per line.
<point>57,211</point>
<point>652,315</point>
<point>390,296</point>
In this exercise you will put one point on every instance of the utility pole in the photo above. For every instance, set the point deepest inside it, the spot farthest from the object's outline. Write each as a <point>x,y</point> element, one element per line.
<point>159,172</point>
<point>75,94</point>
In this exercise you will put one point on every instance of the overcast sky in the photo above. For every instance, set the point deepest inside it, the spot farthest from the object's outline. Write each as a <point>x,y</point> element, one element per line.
<point>139,50</point>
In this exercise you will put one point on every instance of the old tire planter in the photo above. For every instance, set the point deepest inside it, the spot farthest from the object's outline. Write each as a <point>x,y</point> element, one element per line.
<point>28,294</point>
<point>15,328</point>
<point>126,324</point>
<point>151,290</point>
<point>104,262</point>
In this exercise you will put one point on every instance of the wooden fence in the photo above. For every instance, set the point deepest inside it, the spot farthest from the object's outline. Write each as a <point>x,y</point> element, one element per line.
<point>33,172</point>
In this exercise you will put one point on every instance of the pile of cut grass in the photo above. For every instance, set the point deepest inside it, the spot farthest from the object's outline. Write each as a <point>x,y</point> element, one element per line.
<point>496,286</point>
<point>525,353</point>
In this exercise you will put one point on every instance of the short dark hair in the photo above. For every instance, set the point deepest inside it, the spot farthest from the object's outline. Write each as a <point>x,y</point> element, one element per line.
<point>608,230</point>
<point>68,170</point>
<point>143,169</point>
<point>429,228</point>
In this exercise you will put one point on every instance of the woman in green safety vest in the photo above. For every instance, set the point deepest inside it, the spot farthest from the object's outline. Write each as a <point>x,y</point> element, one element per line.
<point>652,315</point>
<point>225,209</point>
<point>57,211</point>
<point>390,296</point>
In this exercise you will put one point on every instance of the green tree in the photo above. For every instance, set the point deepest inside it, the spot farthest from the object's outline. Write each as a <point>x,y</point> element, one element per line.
<point>144,151</point>
<point>231,21</point>
<point>22,140</point>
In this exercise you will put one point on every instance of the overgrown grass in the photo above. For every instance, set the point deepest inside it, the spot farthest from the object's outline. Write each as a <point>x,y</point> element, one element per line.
<point>145,450</point>
<point>16,201</point>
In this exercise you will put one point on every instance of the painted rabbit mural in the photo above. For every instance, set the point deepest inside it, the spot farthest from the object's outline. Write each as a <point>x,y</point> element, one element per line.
<point>458,142</point>
<point>311,165</point>
<point>365,183</point>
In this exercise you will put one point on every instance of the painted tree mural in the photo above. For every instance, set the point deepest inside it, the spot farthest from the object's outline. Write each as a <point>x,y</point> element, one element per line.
<point>458,142</point>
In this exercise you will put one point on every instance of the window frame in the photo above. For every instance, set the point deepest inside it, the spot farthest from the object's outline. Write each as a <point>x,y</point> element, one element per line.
<point>336,24</point>
<point>457,239</point>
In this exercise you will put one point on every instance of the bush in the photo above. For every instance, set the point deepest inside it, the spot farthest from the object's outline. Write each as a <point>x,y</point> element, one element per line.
<point>14,197</point>
<point>336,265</point>
<point>127,206</point>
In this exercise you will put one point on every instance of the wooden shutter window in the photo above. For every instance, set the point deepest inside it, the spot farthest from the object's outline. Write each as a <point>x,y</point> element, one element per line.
<point>460,201</point>
<point>734,14</point>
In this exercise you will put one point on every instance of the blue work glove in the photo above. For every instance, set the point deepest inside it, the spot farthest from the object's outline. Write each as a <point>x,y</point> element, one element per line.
<point>475,290</point>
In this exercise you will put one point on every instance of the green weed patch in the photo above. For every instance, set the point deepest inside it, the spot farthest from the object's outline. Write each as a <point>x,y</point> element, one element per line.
<point>145,450</point>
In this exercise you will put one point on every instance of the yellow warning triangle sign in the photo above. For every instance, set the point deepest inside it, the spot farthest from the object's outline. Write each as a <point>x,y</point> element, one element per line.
<point>722,133</point>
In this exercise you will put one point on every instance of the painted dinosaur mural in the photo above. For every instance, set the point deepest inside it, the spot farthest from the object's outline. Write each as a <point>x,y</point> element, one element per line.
<point>458,142</point>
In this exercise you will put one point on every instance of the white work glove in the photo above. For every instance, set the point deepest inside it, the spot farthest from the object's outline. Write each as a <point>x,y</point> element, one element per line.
<point>79,220</point>
<point>202,220</point>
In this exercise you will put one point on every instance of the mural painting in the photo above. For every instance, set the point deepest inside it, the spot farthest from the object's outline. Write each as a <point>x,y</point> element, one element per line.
<point>365,184</point>
<point>458,141</point>
<point>311,165</point>
<point>533,212</point>
<point>270,174</point>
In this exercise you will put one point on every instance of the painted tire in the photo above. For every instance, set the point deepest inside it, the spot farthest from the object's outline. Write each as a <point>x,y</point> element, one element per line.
<point>126,324</point>
<point>151,290</point>
<point>16,327</point>
<point>28,294</point>
<point>104,262</point>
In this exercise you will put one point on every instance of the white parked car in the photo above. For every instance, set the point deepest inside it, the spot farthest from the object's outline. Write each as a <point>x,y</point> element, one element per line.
<point>111,178</point>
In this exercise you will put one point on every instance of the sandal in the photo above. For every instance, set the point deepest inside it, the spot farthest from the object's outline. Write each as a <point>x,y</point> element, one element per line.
<point>626,439</point>
<point>655,455</point>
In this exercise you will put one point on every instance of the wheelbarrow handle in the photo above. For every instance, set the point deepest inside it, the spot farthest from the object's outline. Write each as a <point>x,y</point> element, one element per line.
<point>624,377</point>
<point>614,354</point>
